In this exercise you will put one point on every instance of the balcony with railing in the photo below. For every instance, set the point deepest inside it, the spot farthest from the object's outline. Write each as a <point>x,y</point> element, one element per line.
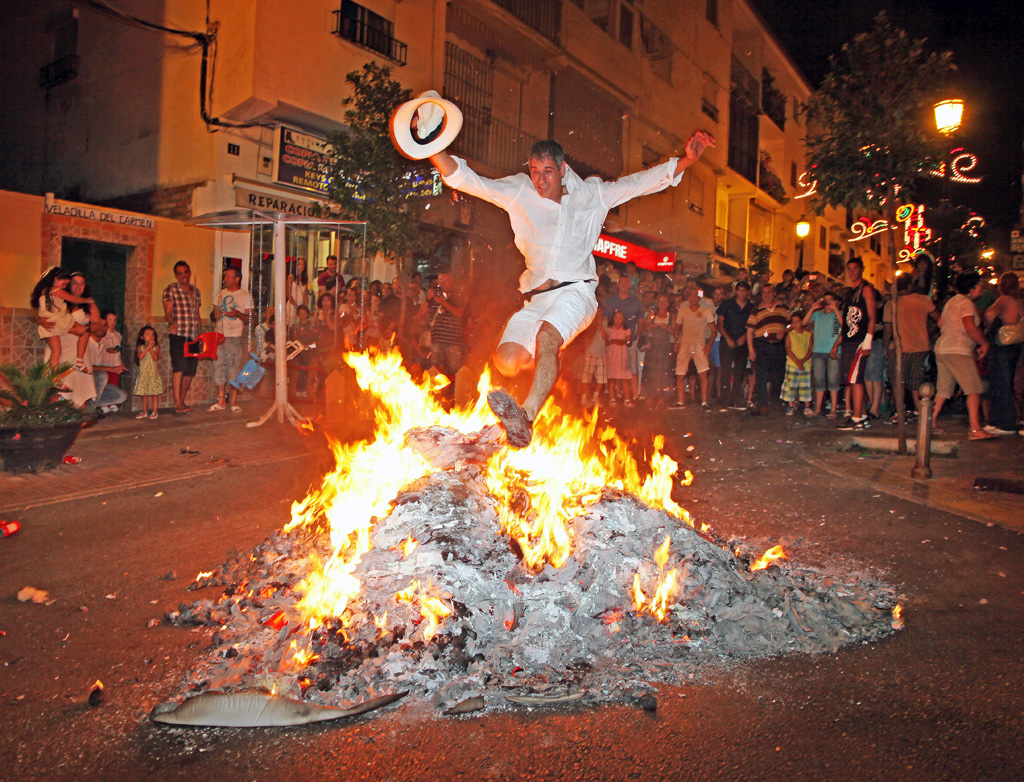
<point>544,16</point>
<point>731,246</point>
<point>369,36</point>
<point>493,142</point>
<point>63,70</point>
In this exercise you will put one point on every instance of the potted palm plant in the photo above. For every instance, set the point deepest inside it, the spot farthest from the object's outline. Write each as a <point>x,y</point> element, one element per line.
<point>37,427</point>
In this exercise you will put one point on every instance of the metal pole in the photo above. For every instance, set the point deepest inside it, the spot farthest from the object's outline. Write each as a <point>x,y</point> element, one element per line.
<point>280,321</point>
<point>922,470</point>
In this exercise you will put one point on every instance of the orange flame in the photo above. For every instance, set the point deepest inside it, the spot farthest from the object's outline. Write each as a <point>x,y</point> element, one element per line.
<point>408,546</point>
<point>772,554</point>
<point>897,617</point>
<point>431,608</point>
<point>538,489</point>
<point>664,590</point>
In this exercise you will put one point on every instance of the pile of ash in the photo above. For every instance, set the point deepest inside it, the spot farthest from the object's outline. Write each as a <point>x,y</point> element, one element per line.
<point>501,630</point>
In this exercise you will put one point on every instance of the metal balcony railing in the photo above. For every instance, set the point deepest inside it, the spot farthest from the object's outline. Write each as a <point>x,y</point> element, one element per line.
<point>493,142</point>
<point>544,16</point>
<point>60,71</point>
<point>730,245</point>
<point>361,33</point>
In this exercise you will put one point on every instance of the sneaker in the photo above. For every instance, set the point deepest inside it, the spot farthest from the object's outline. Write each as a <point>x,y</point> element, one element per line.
<point>705,407</point>
<point>154,415</point>
<point>141,415</point>
<point>741,408</point>
<point>997,431</point>
<point>790,411</point>
<point>677,405</point>
<point>518,428</point>
<point>809,412</point>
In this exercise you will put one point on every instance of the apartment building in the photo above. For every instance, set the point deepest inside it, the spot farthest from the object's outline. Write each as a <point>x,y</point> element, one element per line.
<point>180,108</point>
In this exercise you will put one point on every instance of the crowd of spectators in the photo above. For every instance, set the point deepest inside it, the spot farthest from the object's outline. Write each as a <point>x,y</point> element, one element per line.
<point>671,340</point>
<point>805,345</point>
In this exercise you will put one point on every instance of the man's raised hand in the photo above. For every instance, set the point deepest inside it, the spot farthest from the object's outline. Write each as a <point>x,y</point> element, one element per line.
<point>697,143</point>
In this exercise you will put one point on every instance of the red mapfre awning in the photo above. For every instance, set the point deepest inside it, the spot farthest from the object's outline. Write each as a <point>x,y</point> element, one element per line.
<point>620,250</point>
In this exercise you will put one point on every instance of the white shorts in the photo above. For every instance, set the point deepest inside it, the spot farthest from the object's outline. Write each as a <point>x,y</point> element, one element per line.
<point>684,352</point>
<point>570,310</point>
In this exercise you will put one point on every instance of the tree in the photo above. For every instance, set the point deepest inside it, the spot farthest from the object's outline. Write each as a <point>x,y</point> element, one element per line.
<point>369,180</point>
<point>869,135</point>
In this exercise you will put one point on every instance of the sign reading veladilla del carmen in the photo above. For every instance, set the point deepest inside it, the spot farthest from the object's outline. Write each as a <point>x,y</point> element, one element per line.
<point>624,252</point>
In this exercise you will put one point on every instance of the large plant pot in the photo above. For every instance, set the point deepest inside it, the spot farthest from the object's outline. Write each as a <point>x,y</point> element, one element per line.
<point>36,447</point>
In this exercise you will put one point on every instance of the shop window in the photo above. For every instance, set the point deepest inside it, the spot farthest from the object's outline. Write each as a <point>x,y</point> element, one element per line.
<point>822,237</point>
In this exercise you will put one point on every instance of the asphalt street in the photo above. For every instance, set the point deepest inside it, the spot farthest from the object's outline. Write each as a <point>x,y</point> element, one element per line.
<point>941,699</point>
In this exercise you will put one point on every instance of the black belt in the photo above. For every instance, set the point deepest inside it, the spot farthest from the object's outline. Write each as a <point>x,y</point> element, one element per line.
<point>536,291</point>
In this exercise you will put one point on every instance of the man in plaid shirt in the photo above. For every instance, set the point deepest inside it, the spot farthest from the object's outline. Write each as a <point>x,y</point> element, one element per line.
<point>181,307</point>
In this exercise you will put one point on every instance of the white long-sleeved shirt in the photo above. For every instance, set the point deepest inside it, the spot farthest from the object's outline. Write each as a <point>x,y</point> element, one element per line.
<point>557,239</point>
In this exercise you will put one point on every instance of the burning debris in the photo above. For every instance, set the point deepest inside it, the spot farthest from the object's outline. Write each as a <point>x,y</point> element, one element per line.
<point>442,564</point>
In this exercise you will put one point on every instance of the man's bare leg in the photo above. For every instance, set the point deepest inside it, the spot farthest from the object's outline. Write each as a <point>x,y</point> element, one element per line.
<point>510,359</point>
<point>545,370</point>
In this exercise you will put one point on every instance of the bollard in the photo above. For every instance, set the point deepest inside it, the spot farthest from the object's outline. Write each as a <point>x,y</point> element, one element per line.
<point>924,433</point>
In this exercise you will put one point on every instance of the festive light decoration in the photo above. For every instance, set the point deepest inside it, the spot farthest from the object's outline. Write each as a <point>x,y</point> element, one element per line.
<point>810,186</point>
<point>864,228</point>
<point>915,233</point>
<point>960,163</point>
<point>973,225</point>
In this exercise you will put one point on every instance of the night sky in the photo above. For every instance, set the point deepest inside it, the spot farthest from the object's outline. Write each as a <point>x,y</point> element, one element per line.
<point>987,41</point>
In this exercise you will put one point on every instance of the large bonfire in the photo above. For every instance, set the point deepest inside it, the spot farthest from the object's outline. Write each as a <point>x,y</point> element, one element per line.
<point>434,559</point>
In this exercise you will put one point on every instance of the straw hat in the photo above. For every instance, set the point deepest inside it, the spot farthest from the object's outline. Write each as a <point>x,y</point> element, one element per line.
<point>440,120</point>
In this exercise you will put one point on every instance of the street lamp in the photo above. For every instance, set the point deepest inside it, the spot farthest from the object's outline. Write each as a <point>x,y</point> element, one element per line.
<point>948,114</point>
<point>803,228</point>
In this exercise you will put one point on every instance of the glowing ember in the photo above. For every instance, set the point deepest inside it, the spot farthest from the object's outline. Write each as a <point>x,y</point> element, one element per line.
<point>204,574</point>
<point>772,554</point>
<point>897,617</point>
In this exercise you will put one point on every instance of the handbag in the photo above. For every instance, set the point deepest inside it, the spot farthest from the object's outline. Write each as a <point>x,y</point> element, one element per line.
<point>1010,335</point>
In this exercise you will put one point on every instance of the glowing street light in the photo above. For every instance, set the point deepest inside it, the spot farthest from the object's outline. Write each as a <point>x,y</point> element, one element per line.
<point>948,114</point>
<point>803,228</point>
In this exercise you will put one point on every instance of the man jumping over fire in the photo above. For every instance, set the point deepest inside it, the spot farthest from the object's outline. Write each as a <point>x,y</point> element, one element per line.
<point>556,217</point>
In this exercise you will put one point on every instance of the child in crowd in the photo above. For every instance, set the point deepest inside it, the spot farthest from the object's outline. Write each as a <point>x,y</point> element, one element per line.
<point>148,383</point>
<point>595,362</point>
<point>825,355</point>
<point>620,379</point>
<point>50,299</point>
<point>111,344</point>
<point>796,387</point>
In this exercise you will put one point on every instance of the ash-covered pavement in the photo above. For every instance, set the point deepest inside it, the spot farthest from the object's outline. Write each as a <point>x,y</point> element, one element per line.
<point>941,699</point>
